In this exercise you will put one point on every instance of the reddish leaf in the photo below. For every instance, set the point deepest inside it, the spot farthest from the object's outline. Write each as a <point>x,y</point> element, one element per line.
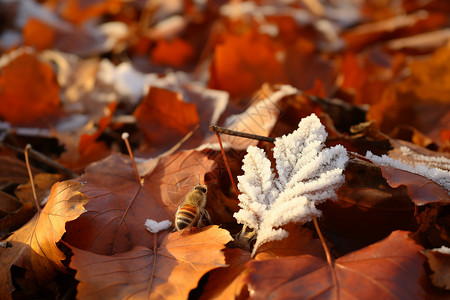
<point>38,34</point>
<point>25,77</point>
<point>365,209</point>
<point>421,190</point>
<point>119,205</point>
<point>176,52</point>
<point>420,100</point>
<point>229,282</point>
<point>34,245</point>
<point>242,63</point>
<point>390,269</point>
<point>164,118</point>
<point>169,271</point>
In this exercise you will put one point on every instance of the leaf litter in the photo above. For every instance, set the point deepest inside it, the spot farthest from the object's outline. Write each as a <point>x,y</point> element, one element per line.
<point>76,75</point>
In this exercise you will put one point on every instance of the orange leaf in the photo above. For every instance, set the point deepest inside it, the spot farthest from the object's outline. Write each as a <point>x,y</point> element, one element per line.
<point>176,52</point>
<point>29,93</point>
<point>169,271</point>
<point>34,245</point>
<point>119,206</point>
<point>38,34</point>
<point>164,118</point>
<point>242,63</point>
<point>389,269</point>
<point>420,100</point>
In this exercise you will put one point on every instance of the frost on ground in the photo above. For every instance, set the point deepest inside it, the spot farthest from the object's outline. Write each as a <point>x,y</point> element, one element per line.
<point>308,174</point>
<point>154,226</point>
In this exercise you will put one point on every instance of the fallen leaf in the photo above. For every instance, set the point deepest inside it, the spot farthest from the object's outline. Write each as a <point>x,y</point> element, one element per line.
<point>365,209</point>
<point>418,100</point>
<point>164,118</point>
<point>229,282</point>
<point>25,77</point>
<point>34,245</point>
<point>421,190</point>
<point>175,52</point>
<point>42,184</point>
<point>120,205</point>
<point>439,261</point>
<point>390,269</point>
<point>168,271</point>
<point>242,63</point>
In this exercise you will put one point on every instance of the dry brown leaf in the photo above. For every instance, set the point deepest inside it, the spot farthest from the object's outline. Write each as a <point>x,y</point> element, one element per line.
<point>230,282</point>
<point>390,269</point>
<point>420,100</point>
<point>34,245</point>
<point>169,271</point>
<point>119,205</point>
<point>439,261</point>
<point>42,183</point>
<point>365,209</point>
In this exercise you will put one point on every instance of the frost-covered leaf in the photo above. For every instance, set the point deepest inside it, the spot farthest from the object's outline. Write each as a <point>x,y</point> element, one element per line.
<point>308,174</point>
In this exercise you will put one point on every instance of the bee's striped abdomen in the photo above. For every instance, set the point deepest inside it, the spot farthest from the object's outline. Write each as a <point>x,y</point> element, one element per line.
<point>186,215</point>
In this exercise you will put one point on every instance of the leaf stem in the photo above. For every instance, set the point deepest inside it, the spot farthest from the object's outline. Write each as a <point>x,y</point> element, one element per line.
<point>218,129</point>
<point>227,165</point>
<point>328,255</point>
<point>27,161</point>
<point>125,136</point>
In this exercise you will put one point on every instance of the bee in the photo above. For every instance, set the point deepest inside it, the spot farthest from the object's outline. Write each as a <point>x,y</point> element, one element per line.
<point>192,210</point>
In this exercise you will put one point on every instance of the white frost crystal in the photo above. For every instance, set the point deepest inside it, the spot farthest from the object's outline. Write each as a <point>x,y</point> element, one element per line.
<point>154,226</point>
<point>308,174</point>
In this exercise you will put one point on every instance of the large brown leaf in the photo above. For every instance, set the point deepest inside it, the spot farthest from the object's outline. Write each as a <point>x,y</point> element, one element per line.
<point>230,282</point>
<point>168,271</point>
<point>34,245</point>
<point>120,205</point>
<point>390,269</point>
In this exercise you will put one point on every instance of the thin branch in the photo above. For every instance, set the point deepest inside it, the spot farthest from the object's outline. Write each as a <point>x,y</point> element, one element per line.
<point>227,165</point>
<point>125,136</point>
<point>27,162</point>
<point>328,255</point>
<point>44,159</point>
<point>218,129</point>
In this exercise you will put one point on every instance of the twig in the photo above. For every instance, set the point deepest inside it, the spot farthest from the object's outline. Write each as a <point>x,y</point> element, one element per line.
<point>227,165</point>
<point>328,255</point>
<point>125,136</point>
<point>27,162</point>
<point>218,129</point>
<point>45,160</point>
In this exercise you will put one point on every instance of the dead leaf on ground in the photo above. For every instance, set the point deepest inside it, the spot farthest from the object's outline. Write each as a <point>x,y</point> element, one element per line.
<point>169,271</point>
<point>25,77</point>
<point>242,63</point>
<point>439,261</point>
<point>164,118</point>
<point>230,282</point>
<point>34,245</point>
<point>420,100</point>
<point>388,269</point>
<point>119,205</point>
